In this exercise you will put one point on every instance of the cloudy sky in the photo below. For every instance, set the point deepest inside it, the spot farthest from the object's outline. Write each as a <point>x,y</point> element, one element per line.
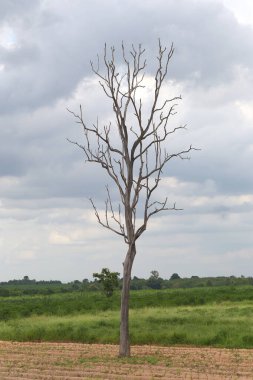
<point>47,227</point>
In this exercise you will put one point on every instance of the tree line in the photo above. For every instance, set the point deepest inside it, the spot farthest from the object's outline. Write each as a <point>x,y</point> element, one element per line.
<point>27,286</point>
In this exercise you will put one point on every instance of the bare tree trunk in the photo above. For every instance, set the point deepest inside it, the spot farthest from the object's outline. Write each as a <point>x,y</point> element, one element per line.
<point>124,346</point>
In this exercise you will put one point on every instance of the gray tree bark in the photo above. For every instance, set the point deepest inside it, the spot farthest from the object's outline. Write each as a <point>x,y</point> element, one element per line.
<point>124,347</point>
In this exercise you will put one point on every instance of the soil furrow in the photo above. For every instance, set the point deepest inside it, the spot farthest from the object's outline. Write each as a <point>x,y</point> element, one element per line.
<point>59,361</point>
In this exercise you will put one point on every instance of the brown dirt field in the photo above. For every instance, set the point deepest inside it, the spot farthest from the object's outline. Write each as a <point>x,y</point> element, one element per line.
<point>70,361</point>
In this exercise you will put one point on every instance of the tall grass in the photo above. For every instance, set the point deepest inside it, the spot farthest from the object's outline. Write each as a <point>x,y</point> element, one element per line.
<point>87,302</point>
<point>220,317</point>
<point>224,325</point>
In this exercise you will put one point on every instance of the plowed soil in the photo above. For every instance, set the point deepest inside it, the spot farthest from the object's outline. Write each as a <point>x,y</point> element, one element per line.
<point>83,361</point>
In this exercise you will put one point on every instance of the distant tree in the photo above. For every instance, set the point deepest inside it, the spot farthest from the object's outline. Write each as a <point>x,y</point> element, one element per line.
<point>154,281</point>
<point>175,276</point>
<point>154,274</point>
<point>138,283</point>
<point>85,284</point>
<point>76,284</point>
<point>109,280</point>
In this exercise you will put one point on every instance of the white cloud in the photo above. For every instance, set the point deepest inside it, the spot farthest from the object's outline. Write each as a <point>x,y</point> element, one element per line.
<point>58,238</point>
<point>8,38</point>
<point>27,255</point>
<point>242,10</point>
<point>246,108</point>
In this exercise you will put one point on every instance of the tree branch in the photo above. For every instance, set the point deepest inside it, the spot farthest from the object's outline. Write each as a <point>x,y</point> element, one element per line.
<point>135,175</point>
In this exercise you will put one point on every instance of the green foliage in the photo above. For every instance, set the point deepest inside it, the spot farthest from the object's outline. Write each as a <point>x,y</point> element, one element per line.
<point>63,304</point>
<point>26,286</point>
<point>211,315</point>
<point>154,281</point>
<point>214,316</point>
<point>138,283</point>
<point>4,292</point>
<point>55,304</point>
<point>227,324</point>
<point>174,276</point>
<point>108,279</point>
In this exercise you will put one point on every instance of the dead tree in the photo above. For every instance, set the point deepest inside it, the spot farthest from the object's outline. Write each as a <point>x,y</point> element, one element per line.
<point>131,150</point>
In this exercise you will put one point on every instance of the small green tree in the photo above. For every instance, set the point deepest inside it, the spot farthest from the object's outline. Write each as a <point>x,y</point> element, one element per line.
<point>108,279</point>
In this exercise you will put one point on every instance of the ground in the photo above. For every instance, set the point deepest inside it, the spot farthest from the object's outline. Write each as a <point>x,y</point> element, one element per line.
<point>95,361</point>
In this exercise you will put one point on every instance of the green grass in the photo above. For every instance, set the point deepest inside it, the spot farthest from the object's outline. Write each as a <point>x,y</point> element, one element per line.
<point>56,304</point>
<point>220,316</point>
<point>227,324</point>
<point>93,302</point>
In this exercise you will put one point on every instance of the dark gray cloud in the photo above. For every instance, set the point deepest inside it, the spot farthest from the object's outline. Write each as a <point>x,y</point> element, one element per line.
<point>56,43</point>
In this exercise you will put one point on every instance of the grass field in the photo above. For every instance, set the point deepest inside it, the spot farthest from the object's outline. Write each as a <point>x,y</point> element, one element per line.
<point>219,317</point>
<point>93,302</point>
<point>225,325</point>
